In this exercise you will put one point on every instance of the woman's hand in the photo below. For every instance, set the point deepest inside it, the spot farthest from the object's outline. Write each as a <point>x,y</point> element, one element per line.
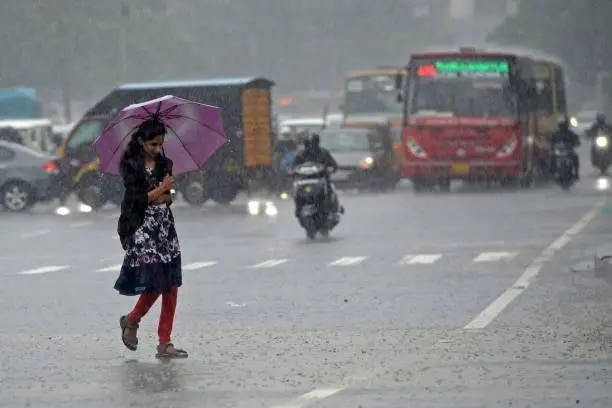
<point>163,199</point>
<point>167,183</point>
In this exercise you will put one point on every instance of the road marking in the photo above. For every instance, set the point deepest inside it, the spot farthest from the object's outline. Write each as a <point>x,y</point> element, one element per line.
<point>113,268</point>
<point>320,394</point>
<point>111,216</point>
<point>80,224</point>
<point>348,261</point>
<point>33,234</point>
<point>198,265</point>
<point>494,256</point>
<point>498,305</point>
<point>420,259</point>
<point>269,263</point>
<point>44,269</point>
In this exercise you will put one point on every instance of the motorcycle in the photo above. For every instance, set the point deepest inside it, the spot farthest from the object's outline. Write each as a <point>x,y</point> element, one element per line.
<point>564,174</point>
<point>601,152</point>
<point>312,200</point>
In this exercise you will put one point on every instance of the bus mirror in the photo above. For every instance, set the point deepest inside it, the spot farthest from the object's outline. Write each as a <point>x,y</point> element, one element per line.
<point>398,81</point>
<point>399,98</point>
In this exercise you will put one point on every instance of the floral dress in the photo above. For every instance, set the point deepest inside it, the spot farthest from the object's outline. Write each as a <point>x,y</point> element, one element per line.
<point>152,261</point>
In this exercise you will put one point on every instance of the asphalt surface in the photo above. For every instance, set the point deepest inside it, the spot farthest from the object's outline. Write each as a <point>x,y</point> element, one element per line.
<point>466,299</point>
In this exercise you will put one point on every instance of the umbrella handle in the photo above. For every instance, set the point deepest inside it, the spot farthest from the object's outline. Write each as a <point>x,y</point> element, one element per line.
<point>172,191</point>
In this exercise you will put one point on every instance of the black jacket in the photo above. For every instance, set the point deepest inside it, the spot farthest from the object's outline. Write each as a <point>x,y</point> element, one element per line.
<point>135,200</point>
<point>567,137</point>
<point>598,127</point>
<point>317,155</point>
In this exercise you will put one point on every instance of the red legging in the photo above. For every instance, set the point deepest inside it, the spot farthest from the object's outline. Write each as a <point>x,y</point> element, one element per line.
<point>166,318</point>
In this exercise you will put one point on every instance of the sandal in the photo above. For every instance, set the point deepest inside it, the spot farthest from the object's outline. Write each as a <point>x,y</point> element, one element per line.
<point>128,333</point>
<point>167,350</point>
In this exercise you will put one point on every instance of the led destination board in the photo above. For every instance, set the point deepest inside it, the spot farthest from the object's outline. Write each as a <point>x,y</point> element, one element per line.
<point>465,68</point>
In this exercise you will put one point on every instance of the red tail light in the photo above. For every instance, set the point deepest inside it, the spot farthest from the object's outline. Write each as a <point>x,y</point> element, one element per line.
<point>51,167</point>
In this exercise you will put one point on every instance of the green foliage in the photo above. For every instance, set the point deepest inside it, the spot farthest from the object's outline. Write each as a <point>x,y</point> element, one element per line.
<point>579,32</point>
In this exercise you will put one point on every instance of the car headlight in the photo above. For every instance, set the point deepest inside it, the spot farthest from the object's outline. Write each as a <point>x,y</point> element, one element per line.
<point>366,162</point>
<point>574,122</point>
<point>601,141</point>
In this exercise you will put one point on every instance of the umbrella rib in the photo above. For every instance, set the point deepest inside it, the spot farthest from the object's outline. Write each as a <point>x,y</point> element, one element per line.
<point>184,147</point>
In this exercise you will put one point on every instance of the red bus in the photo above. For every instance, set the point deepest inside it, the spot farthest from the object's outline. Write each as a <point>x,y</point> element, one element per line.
<point>468,115</point>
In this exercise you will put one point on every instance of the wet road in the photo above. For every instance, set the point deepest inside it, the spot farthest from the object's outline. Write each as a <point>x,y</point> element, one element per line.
<point>442,300</point>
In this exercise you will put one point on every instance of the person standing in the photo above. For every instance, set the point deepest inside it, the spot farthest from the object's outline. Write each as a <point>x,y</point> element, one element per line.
<point>152,263</point>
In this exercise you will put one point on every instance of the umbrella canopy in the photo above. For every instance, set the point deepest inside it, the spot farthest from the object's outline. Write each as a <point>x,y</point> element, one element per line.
<point>195,133</point>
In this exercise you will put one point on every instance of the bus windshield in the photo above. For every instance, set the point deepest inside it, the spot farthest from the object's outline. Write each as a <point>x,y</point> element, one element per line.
<point>371,95</point>
<point>472,89</point>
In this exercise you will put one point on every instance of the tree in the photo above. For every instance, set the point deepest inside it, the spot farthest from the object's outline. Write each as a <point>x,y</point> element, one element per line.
<point>579,32</point>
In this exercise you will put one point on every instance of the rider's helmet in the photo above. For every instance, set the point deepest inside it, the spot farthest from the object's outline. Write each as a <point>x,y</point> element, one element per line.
<point>315,139</point>
<point>563,122</point>
<point>600,118</point>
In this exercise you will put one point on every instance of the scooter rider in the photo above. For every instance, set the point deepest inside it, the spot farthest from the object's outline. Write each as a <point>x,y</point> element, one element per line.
<point>313,152</point>
<point>571,140</point>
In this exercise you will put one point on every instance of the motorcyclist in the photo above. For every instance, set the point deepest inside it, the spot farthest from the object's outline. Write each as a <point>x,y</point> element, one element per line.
<point>313,152</point>
<point>600,125</point>
<point>571,140</point>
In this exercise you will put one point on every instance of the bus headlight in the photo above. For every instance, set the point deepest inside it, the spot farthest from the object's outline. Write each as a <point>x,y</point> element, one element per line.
<point>508,148</point>
<point>415,148</point>
<point>366,163</point>
<point>601,142</point>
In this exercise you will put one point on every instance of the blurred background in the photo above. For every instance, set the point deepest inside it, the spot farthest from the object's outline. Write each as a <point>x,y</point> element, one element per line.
<point>73,52</point>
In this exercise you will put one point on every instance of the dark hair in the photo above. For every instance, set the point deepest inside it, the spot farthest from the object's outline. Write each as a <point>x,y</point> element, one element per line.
<point>147,130</point>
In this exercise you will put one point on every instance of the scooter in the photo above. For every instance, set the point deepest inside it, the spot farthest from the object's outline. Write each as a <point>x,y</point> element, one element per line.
<point>601,152</point>
<point>313,208</point>
<point>564,167</point>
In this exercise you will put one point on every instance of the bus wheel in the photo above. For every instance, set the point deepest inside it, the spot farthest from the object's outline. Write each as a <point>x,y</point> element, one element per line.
<point>445,184</point>
<point>420,185</point>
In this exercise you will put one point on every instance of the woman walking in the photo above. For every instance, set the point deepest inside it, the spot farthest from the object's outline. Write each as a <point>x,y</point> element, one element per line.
<point>152,262</point>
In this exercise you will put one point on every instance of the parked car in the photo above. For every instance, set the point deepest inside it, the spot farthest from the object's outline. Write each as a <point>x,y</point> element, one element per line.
<point>26,176</point>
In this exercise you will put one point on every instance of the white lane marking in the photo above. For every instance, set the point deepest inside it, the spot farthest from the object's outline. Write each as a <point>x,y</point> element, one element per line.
<point>111,216</point>
<point>420,259</point>
<point>33,234</point>
<point>198,265</point>
<point>348,261</point>
<point>112,268</point>
<point>498,305</point>
<point>234,304</point>
<point>494,256</point>
<point>269,263</point>
<point>320,394</point>
<point>80,224</point>
<point>44,269</point>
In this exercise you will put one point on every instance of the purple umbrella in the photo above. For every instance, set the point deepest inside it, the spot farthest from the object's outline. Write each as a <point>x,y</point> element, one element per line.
<point>195,133</point>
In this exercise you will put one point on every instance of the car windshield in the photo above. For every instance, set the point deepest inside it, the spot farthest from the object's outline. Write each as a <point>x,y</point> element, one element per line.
<point>345,142</point>
<point>84,134</point>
